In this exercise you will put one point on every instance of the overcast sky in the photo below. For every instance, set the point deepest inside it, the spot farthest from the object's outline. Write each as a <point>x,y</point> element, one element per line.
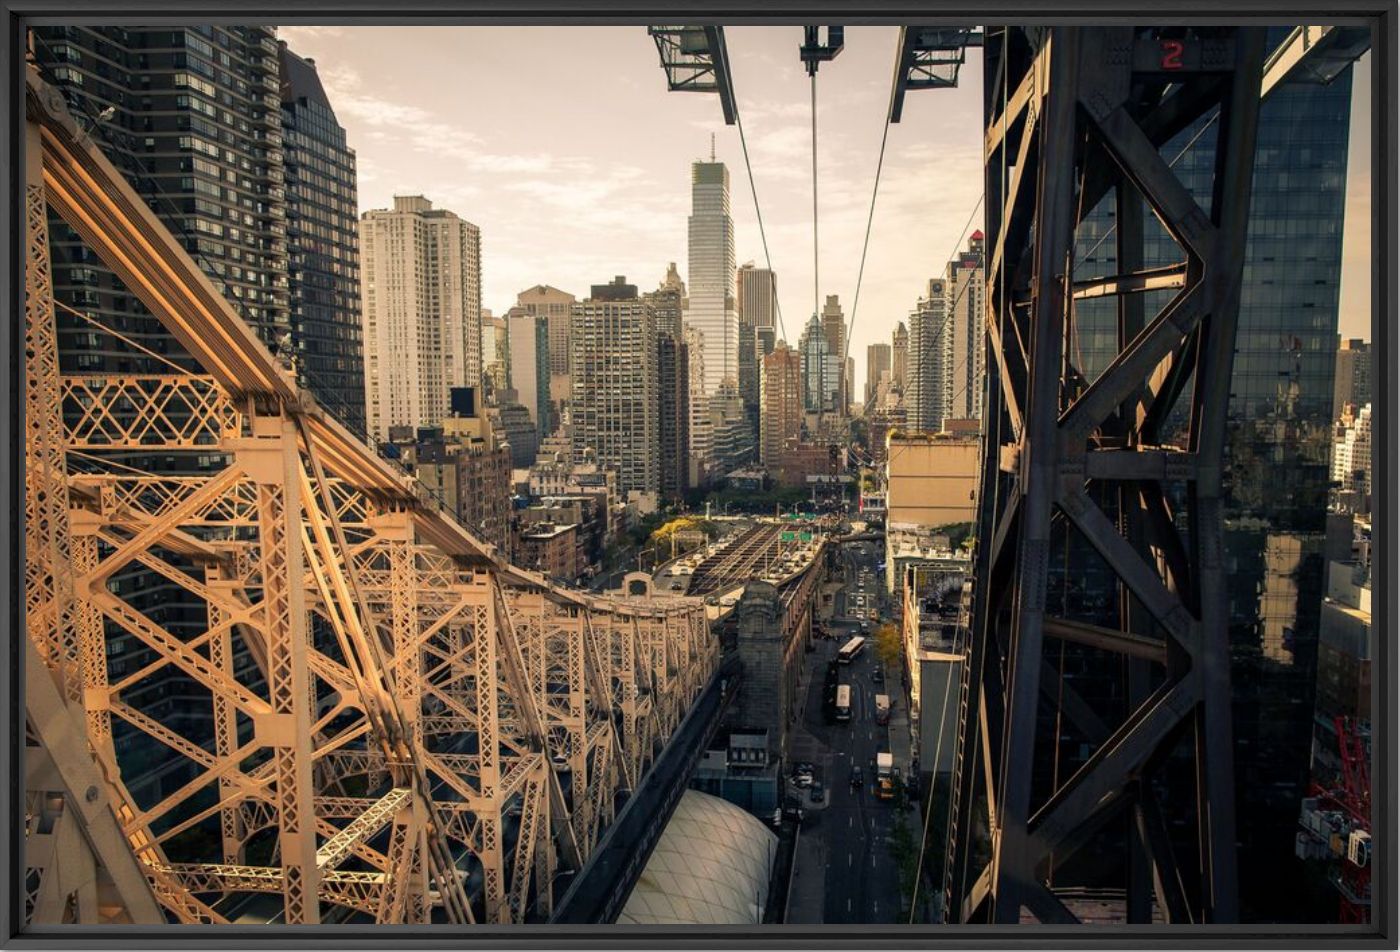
<point>565,147</point>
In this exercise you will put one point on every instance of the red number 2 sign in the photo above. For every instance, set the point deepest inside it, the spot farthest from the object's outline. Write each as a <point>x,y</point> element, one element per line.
<point>1171,54</point>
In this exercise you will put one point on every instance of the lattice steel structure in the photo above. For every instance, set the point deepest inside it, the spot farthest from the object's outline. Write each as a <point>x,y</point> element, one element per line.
<point>1075,114</point>
<point>430,734</point>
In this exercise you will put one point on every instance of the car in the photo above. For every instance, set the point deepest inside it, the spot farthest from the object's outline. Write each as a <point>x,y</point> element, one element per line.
<point>818,792</point>
<point>879,676</point>
<point>676,586</point>
<point>801,780</point>
<point>803,766</point>
<point>857,777</point>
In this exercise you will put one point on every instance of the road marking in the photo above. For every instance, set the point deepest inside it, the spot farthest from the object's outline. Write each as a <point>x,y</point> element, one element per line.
<point>850,821</point>
<point>848,905</point>
<point>849,860</point>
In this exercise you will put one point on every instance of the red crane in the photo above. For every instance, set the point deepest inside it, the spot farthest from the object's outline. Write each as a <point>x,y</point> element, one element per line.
<point>1340,816</point>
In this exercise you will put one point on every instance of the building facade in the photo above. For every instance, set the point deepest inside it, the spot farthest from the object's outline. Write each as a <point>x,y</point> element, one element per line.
<point>965,376</point>
<point>614,406</point>
<point>673,415</point>
<point>927,386</point>
<point>877,367</point>
<point>781,420</point>
<point>555,306</point>
<point>899,357</point>
<point>422,307</point>
<point>323,244</point>
<point>1353,383</point>
<point>710,307</point>
<point>528,367</point>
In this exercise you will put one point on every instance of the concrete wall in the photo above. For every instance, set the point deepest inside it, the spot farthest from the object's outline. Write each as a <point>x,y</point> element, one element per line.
<point>932,480</point>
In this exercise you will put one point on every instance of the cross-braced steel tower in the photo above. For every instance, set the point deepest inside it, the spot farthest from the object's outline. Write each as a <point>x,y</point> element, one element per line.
<point>1077,115</point>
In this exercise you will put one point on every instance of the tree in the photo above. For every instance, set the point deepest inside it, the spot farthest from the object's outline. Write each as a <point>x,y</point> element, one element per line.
<point>888,646</point>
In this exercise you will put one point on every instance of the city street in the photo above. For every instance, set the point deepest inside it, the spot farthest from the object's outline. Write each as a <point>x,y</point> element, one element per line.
<point>844,869</point>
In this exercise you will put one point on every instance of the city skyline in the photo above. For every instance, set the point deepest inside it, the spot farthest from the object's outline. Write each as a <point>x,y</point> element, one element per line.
<point>610,212</point>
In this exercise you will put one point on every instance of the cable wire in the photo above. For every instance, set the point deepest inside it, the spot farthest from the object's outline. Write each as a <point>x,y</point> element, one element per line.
<point>758,213</point>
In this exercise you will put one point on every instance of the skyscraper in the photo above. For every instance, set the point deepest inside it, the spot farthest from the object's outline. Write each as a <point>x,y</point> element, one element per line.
<point>614,405</point>
<point>554,305</point>
<point>673,415</point>
<point>1353,375</point>
<point>877,363</point>
<point>422,306</point>
<point>667,304</point>
<point>819,378</point>
<point>323,243</point>
<point>757,295</point>
<point>966,330</point>
<point>781,419</point>
<point>834,327</point>
<point>899,358</point>
<point>926,386</point>
<point>710,308</point>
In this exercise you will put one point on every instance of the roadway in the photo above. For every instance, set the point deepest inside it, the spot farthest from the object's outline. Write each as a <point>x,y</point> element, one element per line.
<point>746,558</point>
<point>845,872</point>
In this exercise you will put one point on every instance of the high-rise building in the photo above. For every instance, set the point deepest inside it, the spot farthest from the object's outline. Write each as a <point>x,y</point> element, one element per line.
<point>1353,375</point>
<point>614,405</point>
<point>323,243</point>
<point>422,306</point>
<point>529,367</point>
<point>710,308</point>
<point>748,386</point>
<point>966,330</point>
<point>819,378</point>
<point>1351,451</point>
<point>757,295</point>
<point>732,440</point>
<point>877,364</point>
<point>899,358</point>
<point>668,303</point>
<point>673,415</point>
<point>834,327</point>
<point>555,306</point>
<point>926,385</point>
<point>699,454</point>
<point>781,420</point>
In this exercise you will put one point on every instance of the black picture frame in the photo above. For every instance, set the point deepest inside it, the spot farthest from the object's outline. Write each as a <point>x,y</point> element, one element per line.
<point>1380,14</point>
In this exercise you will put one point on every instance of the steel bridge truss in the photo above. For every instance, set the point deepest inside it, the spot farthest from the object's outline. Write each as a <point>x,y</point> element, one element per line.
<point>1076,115</point>
<point>419,731</point>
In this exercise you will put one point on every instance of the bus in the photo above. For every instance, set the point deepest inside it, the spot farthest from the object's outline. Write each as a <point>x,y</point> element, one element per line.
<point>843,702</point>
<point>850,649</point>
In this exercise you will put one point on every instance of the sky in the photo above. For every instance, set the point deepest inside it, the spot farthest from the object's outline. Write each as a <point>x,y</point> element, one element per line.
<point>565,147</point>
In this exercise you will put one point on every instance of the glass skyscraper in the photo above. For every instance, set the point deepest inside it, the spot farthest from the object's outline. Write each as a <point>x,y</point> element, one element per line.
<point>711,309</point>
<point>323,243</point>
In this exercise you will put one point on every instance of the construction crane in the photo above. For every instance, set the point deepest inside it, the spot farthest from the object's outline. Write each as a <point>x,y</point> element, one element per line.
<point>1335,822</point>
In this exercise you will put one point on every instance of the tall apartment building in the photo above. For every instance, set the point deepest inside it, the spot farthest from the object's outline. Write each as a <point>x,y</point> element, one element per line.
<point>323,243</point>
<point>554,305</point>
<point>926,385</point>
<point>781,420</point>
<point>710,307</point>
<point>614,406</point>
<point>699,411</point>
<point>899,357</point>
<point>527,337</point>
<point>195,125</point>
<point>965,287</point>
<point>1353,383</point>
<point>877,365</point>
<point>422,306</point>
<point>668,303</point>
